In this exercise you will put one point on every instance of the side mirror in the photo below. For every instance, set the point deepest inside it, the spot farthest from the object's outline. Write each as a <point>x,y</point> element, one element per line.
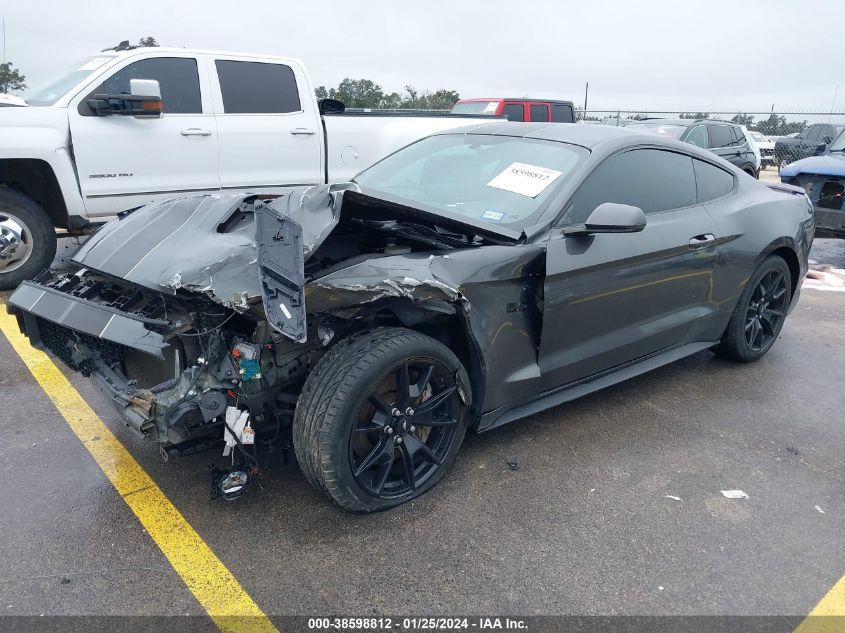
<point>144,101</point>
<point>610,217</point>
<point>331,106</point>
<point>821,148</point>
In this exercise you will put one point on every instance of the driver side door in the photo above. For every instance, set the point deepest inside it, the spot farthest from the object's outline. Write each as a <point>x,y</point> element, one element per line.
<point>124,161</point>
<point>612,298</point>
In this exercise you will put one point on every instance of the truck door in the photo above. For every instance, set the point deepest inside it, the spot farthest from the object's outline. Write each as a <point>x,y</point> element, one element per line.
<point>270,131</point>
<point>123,161</point>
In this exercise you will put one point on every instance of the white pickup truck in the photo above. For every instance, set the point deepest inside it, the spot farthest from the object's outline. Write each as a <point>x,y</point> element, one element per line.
<point>132,125</point>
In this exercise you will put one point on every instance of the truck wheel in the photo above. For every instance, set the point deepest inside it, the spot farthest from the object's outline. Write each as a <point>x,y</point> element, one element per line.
<point>381,418</point>
<point>27,238</point>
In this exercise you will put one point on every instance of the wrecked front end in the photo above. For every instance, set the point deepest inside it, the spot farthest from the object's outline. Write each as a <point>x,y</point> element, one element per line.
<point>186,311</point>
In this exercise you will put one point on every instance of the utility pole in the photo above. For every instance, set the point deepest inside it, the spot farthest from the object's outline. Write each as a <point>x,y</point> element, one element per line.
<point>586,93</point>
<point>4,40</point>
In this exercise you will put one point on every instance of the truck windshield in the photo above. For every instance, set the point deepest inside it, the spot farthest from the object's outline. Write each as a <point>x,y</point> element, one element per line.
<point>50,92</point>
<point>475,107</point>
<point>838,144</point>
<point>496,179</point>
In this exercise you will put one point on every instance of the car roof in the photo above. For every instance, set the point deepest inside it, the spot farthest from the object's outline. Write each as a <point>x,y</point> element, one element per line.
<point>584,135</point>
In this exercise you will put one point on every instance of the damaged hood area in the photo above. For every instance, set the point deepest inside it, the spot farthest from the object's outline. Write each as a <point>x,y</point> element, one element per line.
<point>201,243</point>
<point>248,252</point>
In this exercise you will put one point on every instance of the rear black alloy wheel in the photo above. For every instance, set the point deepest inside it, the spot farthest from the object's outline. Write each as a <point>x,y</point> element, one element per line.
<point>760,312</point>
<point>405,429</point>
<point>766,311</point>
<point>381,418</point>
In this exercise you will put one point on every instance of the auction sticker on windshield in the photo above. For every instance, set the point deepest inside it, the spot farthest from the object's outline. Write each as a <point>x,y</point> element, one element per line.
<point>524,179</point>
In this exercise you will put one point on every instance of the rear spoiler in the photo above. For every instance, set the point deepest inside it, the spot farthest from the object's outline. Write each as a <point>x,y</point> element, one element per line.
<point>782,187</point>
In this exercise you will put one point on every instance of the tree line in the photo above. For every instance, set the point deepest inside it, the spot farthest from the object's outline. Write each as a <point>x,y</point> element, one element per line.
<point>365,93</point>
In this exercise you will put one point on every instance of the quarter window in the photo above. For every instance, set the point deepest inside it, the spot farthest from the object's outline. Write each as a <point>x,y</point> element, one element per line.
<point>711,181</point>
<point>257,88</point>
<point>720,136</point>
<point>653,180</point>
<point>562,113</point>
<point>177,77</point>
<point>698,136</point>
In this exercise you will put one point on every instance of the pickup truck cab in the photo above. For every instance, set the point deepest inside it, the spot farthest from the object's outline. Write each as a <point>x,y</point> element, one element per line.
<point>811,141</point>
<point>128,126</point>
<point>519,109</point>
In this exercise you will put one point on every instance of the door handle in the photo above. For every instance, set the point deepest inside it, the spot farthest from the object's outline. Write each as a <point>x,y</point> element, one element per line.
<point>701,241</point>
<point>302,131</point>
<point>195,131</point>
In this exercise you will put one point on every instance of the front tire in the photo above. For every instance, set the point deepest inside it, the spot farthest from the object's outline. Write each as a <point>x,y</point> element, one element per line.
<point>381,418</point>
<point>27,238</point>
<point>759,314</point>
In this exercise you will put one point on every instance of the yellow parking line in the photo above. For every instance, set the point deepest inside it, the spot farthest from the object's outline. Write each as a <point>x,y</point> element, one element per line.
<point>223,598</point>
<point>829,614</point>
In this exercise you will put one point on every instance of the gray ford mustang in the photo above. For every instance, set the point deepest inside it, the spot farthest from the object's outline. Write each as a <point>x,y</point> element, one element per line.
<point>470,279</point>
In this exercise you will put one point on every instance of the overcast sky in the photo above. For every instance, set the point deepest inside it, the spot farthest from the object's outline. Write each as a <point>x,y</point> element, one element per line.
<point>651,55</point>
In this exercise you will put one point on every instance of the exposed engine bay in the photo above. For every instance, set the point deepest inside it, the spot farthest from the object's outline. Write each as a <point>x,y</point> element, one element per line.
<point>210,307</point>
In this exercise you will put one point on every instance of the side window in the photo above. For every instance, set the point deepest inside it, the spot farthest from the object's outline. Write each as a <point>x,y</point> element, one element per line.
<point>177,78</point>
<point>257,88</point>
<point>698,136</point>
<point>562,113</point>
<point>739,137</point>
<point>711,181</point>
<point>539,112</point>
<point>654,180</point>
<point>814,132</point>
<point>720,136</point>
<point>514,111</point>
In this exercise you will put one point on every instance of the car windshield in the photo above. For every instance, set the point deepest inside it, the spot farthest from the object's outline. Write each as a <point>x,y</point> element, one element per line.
<point>475,107</point>
<point>496,179</point>
<point>838,144</point>
<point>668,130</point>
<point>758,137</point>
<point>50,92</point>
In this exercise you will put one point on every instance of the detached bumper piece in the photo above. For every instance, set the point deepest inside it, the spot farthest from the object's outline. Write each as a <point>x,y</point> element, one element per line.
<point>37,303</point>
<point>92,336</point>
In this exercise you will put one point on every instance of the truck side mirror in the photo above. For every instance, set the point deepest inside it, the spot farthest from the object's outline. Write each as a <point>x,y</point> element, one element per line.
<point>821,148</point>
<point>143,102</point>
<point>331,106</point>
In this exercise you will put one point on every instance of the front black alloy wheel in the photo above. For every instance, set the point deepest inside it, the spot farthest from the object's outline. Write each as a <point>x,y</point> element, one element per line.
<point>760,312</point>
<point>405,429</point>
<point>381,418</point>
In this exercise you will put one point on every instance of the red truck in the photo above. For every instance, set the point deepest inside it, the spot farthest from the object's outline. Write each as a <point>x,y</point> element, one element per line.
<point>519,109</point>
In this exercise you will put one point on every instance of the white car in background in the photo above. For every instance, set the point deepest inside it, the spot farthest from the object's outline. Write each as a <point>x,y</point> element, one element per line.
<point>766,146</point>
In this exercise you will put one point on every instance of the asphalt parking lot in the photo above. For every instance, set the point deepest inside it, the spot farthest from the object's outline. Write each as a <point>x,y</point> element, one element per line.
<point>610,505</point>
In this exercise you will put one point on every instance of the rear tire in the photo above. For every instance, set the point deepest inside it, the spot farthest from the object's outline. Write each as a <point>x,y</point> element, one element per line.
<point>759,314</point>
<point>381,418</point>
<point>27,238</point>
